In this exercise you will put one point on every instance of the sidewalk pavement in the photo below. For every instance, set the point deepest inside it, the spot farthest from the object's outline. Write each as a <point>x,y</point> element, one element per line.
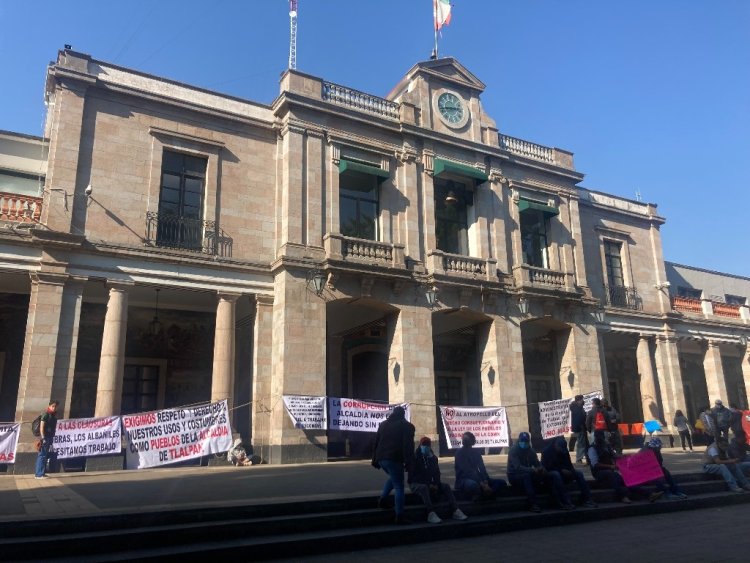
<point>113,492</point>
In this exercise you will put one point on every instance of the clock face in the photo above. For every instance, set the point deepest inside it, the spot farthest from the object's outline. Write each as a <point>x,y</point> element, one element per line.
<point>451,108</point>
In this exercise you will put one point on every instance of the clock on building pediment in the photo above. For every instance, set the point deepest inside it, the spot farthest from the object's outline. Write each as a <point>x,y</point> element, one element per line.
<point>451,108</point>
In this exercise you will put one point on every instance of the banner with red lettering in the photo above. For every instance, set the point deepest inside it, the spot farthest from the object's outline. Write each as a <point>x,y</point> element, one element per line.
<point>87,437</point>
<point>488,424</point>
<point>638,468</point>
<point>359,416</point>
<point>9,432</point>
<point>167,436</point>
<point>554,416</point>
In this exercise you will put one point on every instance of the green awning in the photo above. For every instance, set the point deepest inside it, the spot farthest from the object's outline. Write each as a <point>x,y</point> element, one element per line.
<point>441,166</point>
<point>351,166</point>
<point>526,205</point>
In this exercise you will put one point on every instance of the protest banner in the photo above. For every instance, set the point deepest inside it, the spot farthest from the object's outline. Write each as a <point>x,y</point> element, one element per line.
<point>554,416</point>
<point>638,468</point>
<point>488,424</point>
<point>163,437</point>
<point>306,412</point>
<point>9,433</point>
<point>87,437</point>
<point>359,416</point>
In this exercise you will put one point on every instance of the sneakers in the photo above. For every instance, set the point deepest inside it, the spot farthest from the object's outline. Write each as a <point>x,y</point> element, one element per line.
<point>733,488</point>
<point>534,508</point>
<point>433,518</point>
<point>656,495</point>
<point>41,477</point>
<point>626,500</point>
<point>590,504</point>
<point>458,515</point>
<point>681,496</point>
<point>567,507</point>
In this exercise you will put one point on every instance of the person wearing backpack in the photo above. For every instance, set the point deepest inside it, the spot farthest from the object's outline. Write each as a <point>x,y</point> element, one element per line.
<point>723,417</point>
<point>47,429</point>
<point>597,417</point>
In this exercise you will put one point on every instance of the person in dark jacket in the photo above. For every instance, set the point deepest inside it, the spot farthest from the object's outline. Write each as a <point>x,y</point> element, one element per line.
<point>594,422</point>
<point>738,449</point>
<point>525,472</point>
<point>47,430</point>
<point>578,427</point>
<point>556,460</point>
<point>424,480</point>
<point>394,452</point>
<point>603,468</point>
<point>472,478</point>
<point>667,485</point>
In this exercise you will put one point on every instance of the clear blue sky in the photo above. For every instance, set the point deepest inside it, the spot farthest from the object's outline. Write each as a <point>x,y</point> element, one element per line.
<point>650,95</point>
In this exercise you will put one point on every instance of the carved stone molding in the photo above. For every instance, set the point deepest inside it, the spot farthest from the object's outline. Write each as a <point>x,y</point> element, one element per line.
<point>428,159</point>
<point>335,153</point>
<point>496,176</point>
<point>366,286</point>
<point>464,297</point>
<point>331,280</point>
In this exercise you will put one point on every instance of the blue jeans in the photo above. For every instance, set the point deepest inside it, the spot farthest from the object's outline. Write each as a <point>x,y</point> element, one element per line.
<point>582,444</point>
<point>473,489</point>
<point>528,482</point>
<point>729,472</point>
<point>395,472</point>
<point>41,459</point>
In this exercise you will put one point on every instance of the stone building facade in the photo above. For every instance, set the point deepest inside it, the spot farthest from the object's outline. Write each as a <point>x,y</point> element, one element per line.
<point>191,246</point>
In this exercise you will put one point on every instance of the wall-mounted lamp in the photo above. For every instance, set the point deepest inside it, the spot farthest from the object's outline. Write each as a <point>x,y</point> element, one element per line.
<point>523,305</point>
<point>662,285</point>
<point>431,295</point>
<point>451,198</point>
<point>316,278</point>
<point>600,314</point>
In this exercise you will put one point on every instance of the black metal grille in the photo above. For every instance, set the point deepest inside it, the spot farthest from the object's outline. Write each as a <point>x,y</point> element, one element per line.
<point>183,233</point>
<point>622,296</point>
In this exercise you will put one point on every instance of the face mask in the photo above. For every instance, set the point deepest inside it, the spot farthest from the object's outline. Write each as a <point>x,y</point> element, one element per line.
<point>523,445</point>
<point>425,450</point>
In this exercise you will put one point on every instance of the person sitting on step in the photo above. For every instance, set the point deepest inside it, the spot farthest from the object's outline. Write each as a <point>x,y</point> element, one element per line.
<point>603,468</point>
<point>526,473</point>
<point>556,460</point>
<point>716,461</point>
<point>472,478</point>
<point>424,480</point>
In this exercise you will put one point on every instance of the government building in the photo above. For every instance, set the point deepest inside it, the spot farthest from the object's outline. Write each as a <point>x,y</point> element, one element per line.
<point>164,245</point>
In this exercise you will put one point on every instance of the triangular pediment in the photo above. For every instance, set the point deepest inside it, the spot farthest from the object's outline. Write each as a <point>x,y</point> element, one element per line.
<point>446,70</point>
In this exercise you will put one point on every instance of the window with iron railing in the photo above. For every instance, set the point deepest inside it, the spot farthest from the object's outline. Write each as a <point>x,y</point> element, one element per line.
<point>623,297</point>
<point>180,223</point>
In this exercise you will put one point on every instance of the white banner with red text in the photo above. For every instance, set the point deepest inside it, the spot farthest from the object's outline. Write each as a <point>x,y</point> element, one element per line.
<point>172,435</point>
<point>9,432</point>
<point>554,416</point>
<point>87,437</point>
<point>488,424</point>
<point>306,412</point>
<point>359,416</point>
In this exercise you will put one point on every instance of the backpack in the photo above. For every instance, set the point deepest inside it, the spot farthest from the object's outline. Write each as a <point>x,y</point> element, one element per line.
<point>36,426</point>
<point>600,423</point>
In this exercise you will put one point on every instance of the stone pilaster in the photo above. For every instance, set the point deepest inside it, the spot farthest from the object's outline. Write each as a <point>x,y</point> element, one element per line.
<point>670,377</point>
<point>649,401</point>
<point>293,174</point>
<point>262,373</point>
<point>222,380</point>
<point>112,363</point>
<point>407,219</point>
<point>574,250</point>
<point>504,342</point>
<point>498,219</point>
<point>715,381</point>
<point>312,217</point>
<point>580,362</point>
<point>411,366</point>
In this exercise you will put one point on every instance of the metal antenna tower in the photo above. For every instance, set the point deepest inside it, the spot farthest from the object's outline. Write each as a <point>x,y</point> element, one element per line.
<point>293,34</point>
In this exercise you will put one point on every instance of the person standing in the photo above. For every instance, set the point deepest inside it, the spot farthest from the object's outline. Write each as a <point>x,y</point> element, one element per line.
<point>394,452</point>
<point>708,422</point>
<point>424,480</point>
<point>578,428</point>
<point>613,421</point>
<point>683,428</point>
<point>723,418</point>
<point>596,419</point>
<point>47,429</point>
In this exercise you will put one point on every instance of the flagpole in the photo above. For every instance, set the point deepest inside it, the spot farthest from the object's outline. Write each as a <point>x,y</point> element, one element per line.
<point>434,25</point>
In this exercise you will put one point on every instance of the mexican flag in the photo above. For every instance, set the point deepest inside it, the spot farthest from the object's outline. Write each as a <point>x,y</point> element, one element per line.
<point>442,11</point>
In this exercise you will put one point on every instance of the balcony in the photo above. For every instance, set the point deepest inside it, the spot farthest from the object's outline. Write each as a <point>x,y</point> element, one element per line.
<point>182,233</point>
<point>443,263</point>
<point>687,304</point>
<point>354,99</point>
<point>726,310</point>
<point>19,208</point>
<point>623,297</point>
<point>350,249</point>
<point>525,275</point>
<point>527,149</point>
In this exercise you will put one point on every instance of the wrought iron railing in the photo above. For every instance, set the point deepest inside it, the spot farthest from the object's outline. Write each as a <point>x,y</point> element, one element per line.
<point>183,233</point>
<point>344,96</point>
<point>623,297</point>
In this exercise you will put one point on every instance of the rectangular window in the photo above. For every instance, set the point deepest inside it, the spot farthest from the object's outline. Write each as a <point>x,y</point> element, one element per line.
<point>613,260</point>
<point>183,178</point>
<point>451,223</point>
<point>140,389</point>
<point>735,300</point>
<point>358,205</point>
<point>689,292</point>
<point>534,226</point>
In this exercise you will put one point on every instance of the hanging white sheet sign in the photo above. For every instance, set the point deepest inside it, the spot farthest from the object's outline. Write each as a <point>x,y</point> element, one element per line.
<point>488,424</point>
<point>359,416</point>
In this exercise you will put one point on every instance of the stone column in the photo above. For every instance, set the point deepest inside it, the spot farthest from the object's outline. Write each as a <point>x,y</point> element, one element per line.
<point>407,222</point>
<point>715,381</point>
<point>262,372</point>
<point>580,361</point>
<point>112,363</point>
<point>649,401</point>
<point>574,251</point>
<point>222,378</point>
<point>670,377</point>
<point>411,365</point>
<point>498,219</point>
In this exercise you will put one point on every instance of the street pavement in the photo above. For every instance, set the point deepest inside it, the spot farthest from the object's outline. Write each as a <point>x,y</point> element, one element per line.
<point>96,493</point>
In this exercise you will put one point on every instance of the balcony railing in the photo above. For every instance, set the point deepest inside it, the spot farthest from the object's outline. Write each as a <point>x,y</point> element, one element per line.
<point>726,310</point>
<point>464,265</point>
<point>623,297</point>
<point>338,246</point>
<point>182,233</point>
<point>355,99</point>
<point>527,149</point>
<point>687,304</point>
<point>20,208</point>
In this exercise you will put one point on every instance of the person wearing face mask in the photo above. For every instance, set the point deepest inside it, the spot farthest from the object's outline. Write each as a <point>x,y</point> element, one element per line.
<point>472,478</point>
<point>524,470</point>
<point>424,480</point>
